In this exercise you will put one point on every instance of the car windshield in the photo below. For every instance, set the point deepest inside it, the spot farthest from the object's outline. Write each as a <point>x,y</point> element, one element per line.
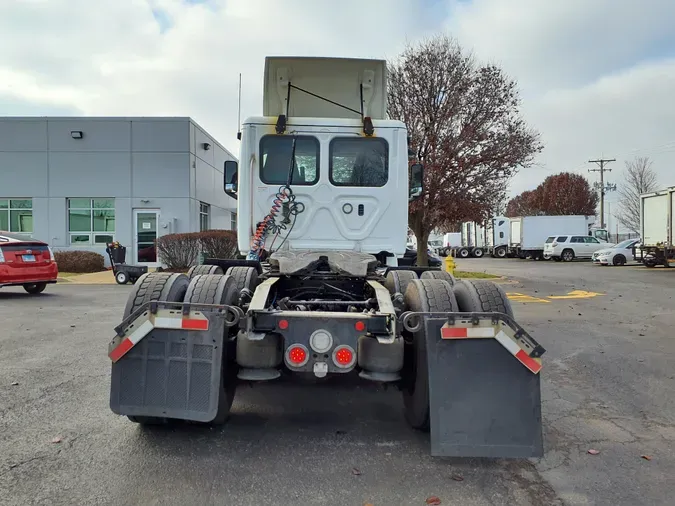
<point>624,244</point>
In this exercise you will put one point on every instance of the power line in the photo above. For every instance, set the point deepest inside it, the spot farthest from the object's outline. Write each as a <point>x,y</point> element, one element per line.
<point>601,162</point>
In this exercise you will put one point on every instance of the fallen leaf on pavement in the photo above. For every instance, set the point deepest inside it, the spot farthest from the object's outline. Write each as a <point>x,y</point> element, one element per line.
<point>646,457</point>
<point>356,472</point>
<point>433,500</point>
<point>56,440</point>
<point>593,452</point>
<point>15,383</point>
<point>457,477</point>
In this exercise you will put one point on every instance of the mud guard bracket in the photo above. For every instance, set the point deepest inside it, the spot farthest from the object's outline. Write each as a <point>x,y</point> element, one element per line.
<point>483,402</point>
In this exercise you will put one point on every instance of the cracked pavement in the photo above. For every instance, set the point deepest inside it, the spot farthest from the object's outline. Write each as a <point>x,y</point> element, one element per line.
<point>607,384</point>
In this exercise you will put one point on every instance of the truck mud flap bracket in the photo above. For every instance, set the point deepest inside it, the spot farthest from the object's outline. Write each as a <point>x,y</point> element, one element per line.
<point>484,387</point>
<point>172,366</point>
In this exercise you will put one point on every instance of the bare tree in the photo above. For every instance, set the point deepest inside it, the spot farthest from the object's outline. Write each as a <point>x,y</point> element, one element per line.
<point>465,126</point>
<point>639,178</point>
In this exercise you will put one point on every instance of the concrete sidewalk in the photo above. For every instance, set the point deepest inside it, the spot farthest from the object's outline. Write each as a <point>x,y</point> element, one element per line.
<point>94,278</point>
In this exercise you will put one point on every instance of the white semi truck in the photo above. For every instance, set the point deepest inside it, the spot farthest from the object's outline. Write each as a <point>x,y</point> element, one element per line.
<point>322,186</point>
<point>529,233</point>
<point>657,220</point>
<point>480,239</point>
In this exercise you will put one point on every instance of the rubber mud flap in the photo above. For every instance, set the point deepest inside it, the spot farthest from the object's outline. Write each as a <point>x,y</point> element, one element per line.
<point>483,402</point>
<point>171,374</point>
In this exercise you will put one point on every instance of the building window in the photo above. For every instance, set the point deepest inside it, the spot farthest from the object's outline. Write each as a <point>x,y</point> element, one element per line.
<point>91,221</point>
<point>204,210</point>
<point>16,215</point>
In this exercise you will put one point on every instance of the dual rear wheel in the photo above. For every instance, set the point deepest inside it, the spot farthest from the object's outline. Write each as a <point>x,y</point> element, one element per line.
<point>437,291</point>
<point>204,285</point>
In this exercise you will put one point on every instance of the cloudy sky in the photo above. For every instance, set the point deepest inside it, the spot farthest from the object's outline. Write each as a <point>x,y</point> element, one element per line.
<point>597,77</point>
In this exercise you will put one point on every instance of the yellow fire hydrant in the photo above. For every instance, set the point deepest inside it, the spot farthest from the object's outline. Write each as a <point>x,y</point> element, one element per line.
<point>450,264</point>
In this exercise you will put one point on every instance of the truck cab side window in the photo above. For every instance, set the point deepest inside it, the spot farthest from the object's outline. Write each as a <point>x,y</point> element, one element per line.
<point>275,160</point>
<point>359,161</point>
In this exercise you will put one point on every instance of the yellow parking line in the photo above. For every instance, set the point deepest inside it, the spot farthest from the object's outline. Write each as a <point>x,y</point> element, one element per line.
<point>521,297</point>
<point>576,294</point>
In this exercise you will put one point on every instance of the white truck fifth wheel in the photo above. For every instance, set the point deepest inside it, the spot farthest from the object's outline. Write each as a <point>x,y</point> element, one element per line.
<point>322,184</point>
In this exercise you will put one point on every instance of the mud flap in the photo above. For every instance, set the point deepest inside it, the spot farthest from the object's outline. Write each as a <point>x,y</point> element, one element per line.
<point>483,402</point>
<point>171,373</point>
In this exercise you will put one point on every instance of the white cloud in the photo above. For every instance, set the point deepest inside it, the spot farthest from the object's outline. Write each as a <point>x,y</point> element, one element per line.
<point>592,78</point>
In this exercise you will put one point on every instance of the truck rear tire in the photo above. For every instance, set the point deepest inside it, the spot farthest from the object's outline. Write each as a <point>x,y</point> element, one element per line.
<point>444,275</point>
<point>197,270</point>
<point>244,278</point>
<point>423,295</point>
<point>463,253</point>
<point>398,281</point>
<point>152,287</point>
<point>481,296</point>
<point>218,289</point>
<point>477,252</point>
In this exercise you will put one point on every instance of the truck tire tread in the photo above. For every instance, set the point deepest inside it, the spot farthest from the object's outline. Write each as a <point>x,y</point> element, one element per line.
<point>444,275</point>
<point>244,277</point>
<point>481,296</point>
<point>398,281</point>
<point>154,286</point>
<point>217,289</point>
<point>196,270</point>
<point>150,287</point>
<point>422,295</point>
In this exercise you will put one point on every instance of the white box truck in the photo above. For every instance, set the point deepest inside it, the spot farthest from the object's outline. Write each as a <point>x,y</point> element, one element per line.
<point>529,233</point>
<point>656,228</point>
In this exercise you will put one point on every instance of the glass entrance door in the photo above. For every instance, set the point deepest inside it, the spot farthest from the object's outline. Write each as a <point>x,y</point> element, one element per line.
<point>145,221</point>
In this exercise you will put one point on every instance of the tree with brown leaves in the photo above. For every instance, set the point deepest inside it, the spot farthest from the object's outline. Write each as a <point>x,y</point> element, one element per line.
<point>464,125</point>
<point>639,178</point>
<point>561,194</point>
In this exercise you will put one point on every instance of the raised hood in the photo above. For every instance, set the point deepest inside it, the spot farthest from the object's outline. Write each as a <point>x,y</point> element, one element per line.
<point>336,79</point>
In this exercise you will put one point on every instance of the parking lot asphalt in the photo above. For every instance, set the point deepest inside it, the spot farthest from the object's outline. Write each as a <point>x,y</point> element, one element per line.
<point>607,385</point>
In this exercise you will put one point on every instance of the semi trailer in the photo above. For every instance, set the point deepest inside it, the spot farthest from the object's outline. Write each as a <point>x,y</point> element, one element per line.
<point>528,234</point>
<point>656,228</point>
<point>323,183</point>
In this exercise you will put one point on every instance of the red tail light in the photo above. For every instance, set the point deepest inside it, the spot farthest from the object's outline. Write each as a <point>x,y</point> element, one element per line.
<point>297,355</point>
<point>360,326</point>
<point>283,324</point>
<point>344,356</point>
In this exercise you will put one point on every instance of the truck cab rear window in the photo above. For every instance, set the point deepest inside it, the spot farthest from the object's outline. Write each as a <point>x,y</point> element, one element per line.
<point>359,161</point>
<point>275,160</point>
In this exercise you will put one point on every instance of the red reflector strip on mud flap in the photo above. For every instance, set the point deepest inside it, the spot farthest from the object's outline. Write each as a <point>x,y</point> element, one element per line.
<point>502,335</point>
<point>164,319</point>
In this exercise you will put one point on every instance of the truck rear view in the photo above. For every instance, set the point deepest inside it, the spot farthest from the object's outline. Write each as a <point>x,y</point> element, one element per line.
<point>656,222</point>
<point>322,185</point>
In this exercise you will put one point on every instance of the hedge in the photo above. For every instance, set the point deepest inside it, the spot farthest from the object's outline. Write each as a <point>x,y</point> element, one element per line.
<point>79,261</point>
<point>181,251</point>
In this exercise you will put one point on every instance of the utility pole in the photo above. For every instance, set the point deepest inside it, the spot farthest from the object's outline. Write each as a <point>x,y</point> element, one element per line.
<point>602,187</point>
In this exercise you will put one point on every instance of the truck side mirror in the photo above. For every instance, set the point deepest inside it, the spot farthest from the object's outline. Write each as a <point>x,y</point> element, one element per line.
<point>230,178</point>
<point>416,181</point>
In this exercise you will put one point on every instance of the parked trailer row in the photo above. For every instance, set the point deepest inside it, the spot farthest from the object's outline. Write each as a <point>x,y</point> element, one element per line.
<point>521,237</point>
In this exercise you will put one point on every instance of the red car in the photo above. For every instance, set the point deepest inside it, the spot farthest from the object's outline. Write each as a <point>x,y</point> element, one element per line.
<point>26,262</point>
